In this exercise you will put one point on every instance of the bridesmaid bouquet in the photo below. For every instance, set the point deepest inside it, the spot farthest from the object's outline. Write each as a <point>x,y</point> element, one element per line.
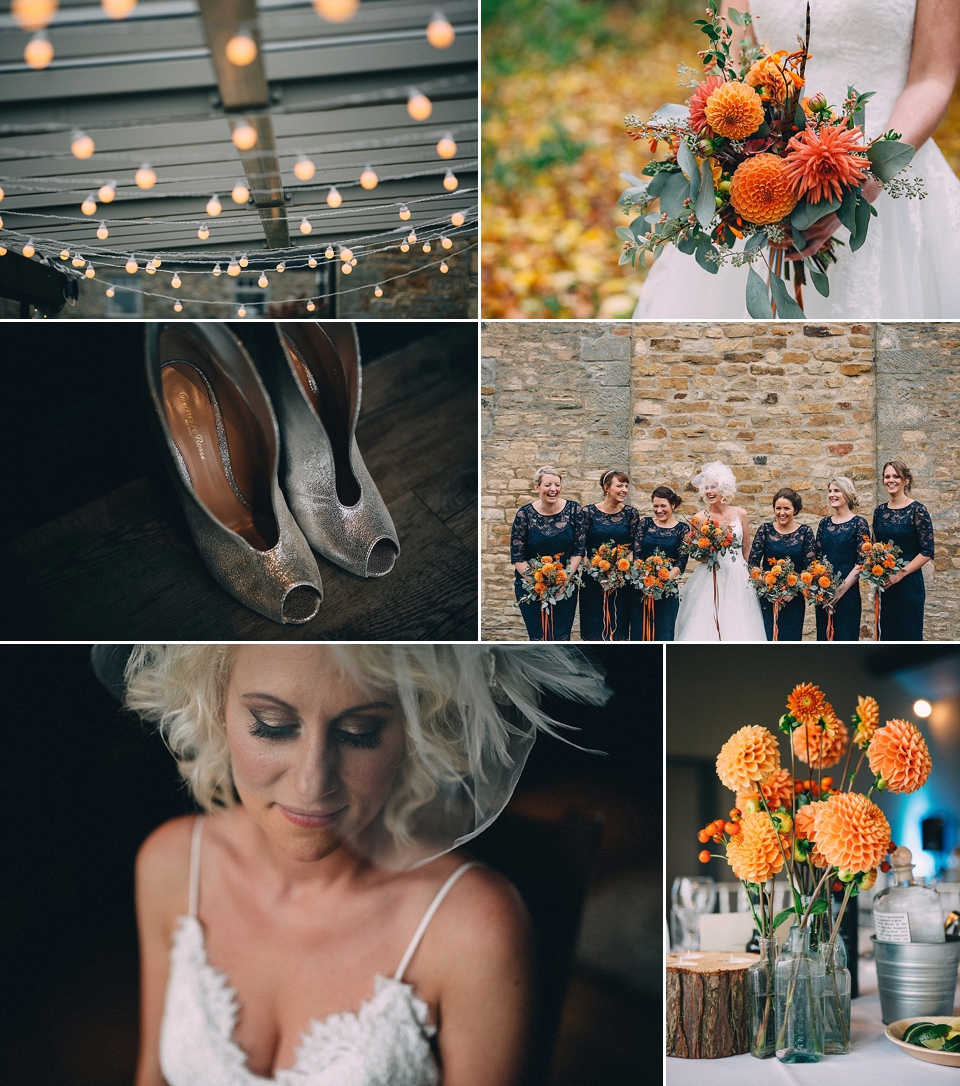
<point>755,157</point>
<point>878,561</point>
<point>546,584</point>
<point>708,542</point>
<point>821,583</point>
<point>610,567</point>
<point>779,585</point>
<point>651,577</point>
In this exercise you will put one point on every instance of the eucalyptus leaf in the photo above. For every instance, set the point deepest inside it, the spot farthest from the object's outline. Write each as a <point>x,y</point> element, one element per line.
<point>656,185</point>
<point>706,204</point>
<point>675,190</point>
<point>862,215</point>
<point>624,234</point>
<point>687,245</point>
<point>889,157</point>
<point>820,281</point>
<point>787,308</point>
<point>755,241</point>
<point>670,112</point>
<point>626,256</point>
<point>799,239</point>
<point>735,17</point>
<point>703,249</point>
<point>800,118</point>
<point>847,211</point>
<point>633,179</point>
<point>805,215</point>
<point>758,303</point>
<point>691,171</point>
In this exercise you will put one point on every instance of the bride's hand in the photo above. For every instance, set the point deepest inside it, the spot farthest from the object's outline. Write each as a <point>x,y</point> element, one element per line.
<point>674,573</point>
<point>823,229</point>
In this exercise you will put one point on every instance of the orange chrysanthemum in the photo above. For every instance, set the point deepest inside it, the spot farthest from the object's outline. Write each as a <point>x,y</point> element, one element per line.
<point>698,120</point>
<point>898,752</point>
<point>734,110</point>
<point>748,756</point>
<point>806,703</point>
<point>821,747</point>
<point>761,190</point>
<point>852,833</point>
<point>821,164</point>
<point>768,79</point>
<point>756,852</point>
<point>868,712</point>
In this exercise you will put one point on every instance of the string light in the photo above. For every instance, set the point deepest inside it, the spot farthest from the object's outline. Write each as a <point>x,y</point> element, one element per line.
<point>458,218</point>
<point>242,311</point>
<point>450,181</point>
<point>329,253</point>
<point>131,266</point>
<point>281,267</point>
<point>244,136</point>
<point>64,254</point>
<point>203,232</point>
<point>311,261</point>
<point>305,227</point>
<point>419,106</point>
<point>310,306</point>
<point>304,169</point>
<point>102,232</point>
<point>346,255</point>
<point>157,261</point>
<point>1,193</point>
<point>346,268</point>
<point>334,199</point>
<point>33,14</point>
<point>446,148</point>
<point>404,247</point>
<point>214,207</point>
<point>427,246</point>
<point>175,281</point>
<point>233,268</point>
<point>107,192</point>
<point>262,281</point>
<point>3,249</point>
<point>110,292</point>
<point>336,11</point>
<point>145,177</point>
<point>241,49</point>
<point>216,269</point>
<point>150,269</point>
<point>28,250</point>
<point>412,237</point>
<point>404,212</point>
<point>77,261</point>
<point>89,206</point>
<point>378,291</point>
<point>240,193</point>
<point>353,263</point>
<point>243,261</point>
<point>444,267</point>
<point>89,273</point>
<point>368,179</point>
<point>38,51</point>
<point>446,243</point>
<point>118,9</point>
<point>178,306</point>
<point>440,33</point>
<point>81,145</point>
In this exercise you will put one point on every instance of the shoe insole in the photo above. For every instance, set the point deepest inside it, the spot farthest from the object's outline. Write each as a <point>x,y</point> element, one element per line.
<point>321,376</point>
<point>191,416</point>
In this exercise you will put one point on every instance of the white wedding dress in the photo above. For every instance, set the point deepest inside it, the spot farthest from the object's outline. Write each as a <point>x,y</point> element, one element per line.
<point>738,609</point>
<point>907,268</point>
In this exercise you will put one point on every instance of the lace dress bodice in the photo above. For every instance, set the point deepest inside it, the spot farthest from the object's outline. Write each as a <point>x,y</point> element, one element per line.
<point>910,528</point>
<point>535,534</point>
<point>385,1043</point>
<point>600,527</point>
<point>797,545</point>
<point>651,537</point>
<point>840,543</point>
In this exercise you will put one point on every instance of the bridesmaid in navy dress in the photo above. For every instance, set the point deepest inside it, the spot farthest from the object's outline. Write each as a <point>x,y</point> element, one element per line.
<point>661,532</point>
<point>838,541</point>
<point>906,523</point>
<point>549,525</point>
<point>784,538</point>
<point>608,520</point>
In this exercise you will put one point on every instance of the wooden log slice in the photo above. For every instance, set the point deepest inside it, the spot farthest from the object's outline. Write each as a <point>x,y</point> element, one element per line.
<point>707,1011</point>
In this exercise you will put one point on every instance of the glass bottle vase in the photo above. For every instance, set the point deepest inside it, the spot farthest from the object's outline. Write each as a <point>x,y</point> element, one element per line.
<point>762,1001</point>
<point>799,985</point>
<point>836,999</point>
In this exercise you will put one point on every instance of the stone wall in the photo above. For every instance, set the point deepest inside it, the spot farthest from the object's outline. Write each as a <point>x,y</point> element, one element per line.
<point>782,404</point>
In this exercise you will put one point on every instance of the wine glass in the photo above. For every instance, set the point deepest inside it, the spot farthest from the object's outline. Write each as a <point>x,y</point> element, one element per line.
<point>691,898</point>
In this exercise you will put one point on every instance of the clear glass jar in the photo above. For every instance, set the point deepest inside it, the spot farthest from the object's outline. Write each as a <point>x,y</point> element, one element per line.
<point>906,912</point>
<point>800,978</point>
<point>761,996</point>
<point>836,999</point>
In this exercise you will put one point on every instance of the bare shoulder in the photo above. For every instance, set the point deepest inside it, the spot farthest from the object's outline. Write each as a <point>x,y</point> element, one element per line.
<point>163,869</point>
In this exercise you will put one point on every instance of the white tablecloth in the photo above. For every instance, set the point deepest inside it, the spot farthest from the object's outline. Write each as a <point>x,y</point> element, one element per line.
<point>872,1061</point>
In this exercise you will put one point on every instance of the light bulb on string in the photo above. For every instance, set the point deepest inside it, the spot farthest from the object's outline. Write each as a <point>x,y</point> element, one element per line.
<point>118,9</point>
<point>157,261</point>
<point>404,247</point>
<point>378,291</point>
<point>281,267</point>
<point>107,192</point>
<point>244,136</point>
<point>305,227</point>
<point>334,199</point>
<point>28,250</point>
<point>444,267</point>
<point>233,268</point>
<point>336,11</point>
<point>412,237</point>
<point>38,51</point>
<point>346,268</point>
<point>89,206</point>
<point>78,261</point>
<point>353,263</point>
<point>203,232</point>
<point>175,282</point>
<point>427,246</point>
<point>262,281</point>
<point>33,14</point>
<point>64,254</point>
<point>110,292</point>
<point>3,249</point>
<point>310,306</point>
<point>329,253</point>
<point>458,218</point>
<point>346,255</point>
<point>145,178</point>
<point>446,147</point>
<point>311,261</point>
<point>81,145</point>
<point>131,266</point>
<point>240,193</point>
<point>102,232</point>
<point>304,169</point>
<point>419,106</point>
<point>89,273</point>
<point>216,269</point>
<point>1,193</point>
<point>368,179</point>
<point>450,181</point>
<point>440,33</point>
<point>178,306</point>
<point>241,49</point>
<point>404,212</point>
<point>214,207</point>
<point>446,243</point>
<point>243,261</point>
<point>150,269</point>
<point>242,311</point>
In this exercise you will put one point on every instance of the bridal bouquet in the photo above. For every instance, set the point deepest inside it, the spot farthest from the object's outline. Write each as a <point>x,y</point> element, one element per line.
<point>546,583</point>
<point>878,562</point>
<point>779,585</point>
<point>757,157</point>
<point>708,542</point>
<point>821,583</point>
<point>610,567</point>
<point>651,577</point>
<point>818,834</point>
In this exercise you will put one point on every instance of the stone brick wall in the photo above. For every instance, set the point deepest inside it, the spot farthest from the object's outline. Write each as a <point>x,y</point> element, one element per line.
<point>782,404</point>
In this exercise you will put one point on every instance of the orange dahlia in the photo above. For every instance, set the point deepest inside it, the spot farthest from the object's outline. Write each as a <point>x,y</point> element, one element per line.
<point>777,790</point>
<point>898,752</point>
<point>770,80</point>
<point>623,565</point>
<point>756,852</point>
<point>734,110</point>
<point>819,746</point>
<point>748,756</point>
<point>761,190</point>
<point>806,703</point>
<point>804,826</point>
<point>698,120</point>
<point>868,720</point>
<point>821,164</point>
<point>852,833</point>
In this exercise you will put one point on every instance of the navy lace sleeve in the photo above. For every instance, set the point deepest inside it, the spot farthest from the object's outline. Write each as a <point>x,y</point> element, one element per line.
<point>518,536</point>
<point>634,522</point>
<point>863,531</point>
<point>924,526</point>
<point>640,529</point>
<point>819,540</point>
<point>809,546</point>
<point>579,521</point>
<point>758,547</point>
<point>681,535</point>
<point>876,514</point>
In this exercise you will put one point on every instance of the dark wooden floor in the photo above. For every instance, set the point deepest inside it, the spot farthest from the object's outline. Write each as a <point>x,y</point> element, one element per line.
<point>122,566</point>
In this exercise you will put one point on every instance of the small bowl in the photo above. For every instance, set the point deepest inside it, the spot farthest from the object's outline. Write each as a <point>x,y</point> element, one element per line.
<point>929,1055</point>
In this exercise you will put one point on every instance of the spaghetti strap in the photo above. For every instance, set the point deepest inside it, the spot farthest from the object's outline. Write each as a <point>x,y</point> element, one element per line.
<point>195,866</point>
<point>428,916</point>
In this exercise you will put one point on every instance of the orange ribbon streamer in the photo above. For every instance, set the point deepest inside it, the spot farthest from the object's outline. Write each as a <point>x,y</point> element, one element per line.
<point>876,616</point>
<point>546,623</point>
<point>609,621</point>
<point>716,606</point>
<point>829,625</point>
<point>648,619</point>
<point>776,629</point>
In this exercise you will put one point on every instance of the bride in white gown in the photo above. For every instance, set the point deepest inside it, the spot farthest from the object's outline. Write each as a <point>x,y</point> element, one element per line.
<point>908,52</point>
<point>737,613</point>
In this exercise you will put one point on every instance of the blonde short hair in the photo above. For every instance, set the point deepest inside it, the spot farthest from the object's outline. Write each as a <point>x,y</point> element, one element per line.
<point>547,469</point>
<point>847,489</point>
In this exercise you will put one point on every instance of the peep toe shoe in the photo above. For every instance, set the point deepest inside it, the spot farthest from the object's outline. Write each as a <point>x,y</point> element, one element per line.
<point>313,373</point>
<point>219,431</point>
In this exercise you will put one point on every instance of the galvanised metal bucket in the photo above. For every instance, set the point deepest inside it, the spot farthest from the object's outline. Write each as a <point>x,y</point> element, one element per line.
<point>916,978</point>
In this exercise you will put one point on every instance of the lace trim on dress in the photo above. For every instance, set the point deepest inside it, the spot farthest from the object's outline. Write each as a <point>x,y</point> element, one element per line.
<point>549,525</point>
<point>916,514</point>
